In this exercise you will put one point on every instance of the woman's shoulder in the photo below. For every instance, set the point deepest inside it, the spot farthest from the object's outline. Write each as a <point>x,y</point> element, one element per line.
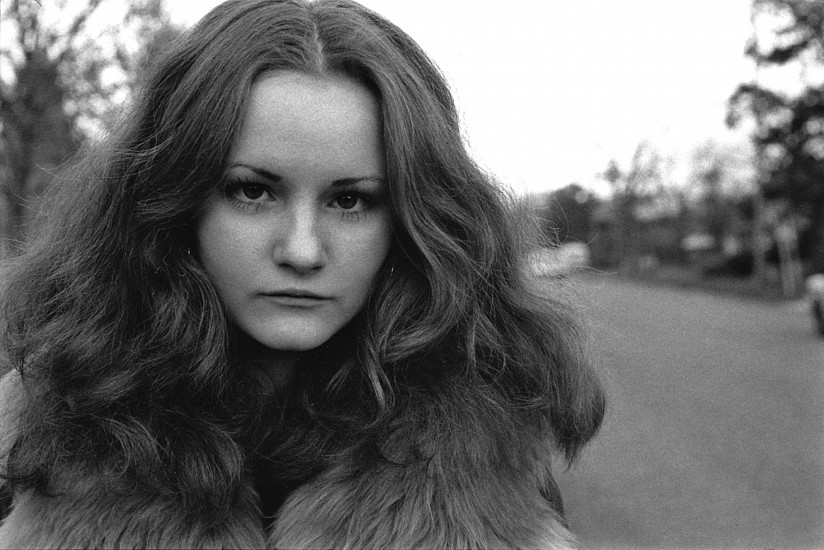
<point>10,390</point>
<point>12,399</point>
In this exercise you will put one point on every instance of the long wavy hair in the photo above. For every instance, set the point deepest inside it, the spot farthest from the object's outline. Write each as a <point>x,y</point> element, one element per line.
<point>125,346</point>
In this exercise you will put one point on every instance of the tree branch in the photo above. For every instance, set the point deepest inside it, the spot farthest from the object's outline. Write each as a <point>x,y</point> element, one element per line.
<point>77,26</point>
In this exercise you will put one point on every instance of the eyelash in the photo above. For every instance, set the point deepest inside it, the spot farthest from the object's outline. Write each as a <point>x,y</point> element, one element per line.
<point>233,187</point>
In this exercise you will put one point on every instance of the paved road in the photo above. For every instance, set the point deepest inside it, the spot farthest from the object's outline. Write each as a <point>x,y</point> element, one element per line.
<point>715,433</point>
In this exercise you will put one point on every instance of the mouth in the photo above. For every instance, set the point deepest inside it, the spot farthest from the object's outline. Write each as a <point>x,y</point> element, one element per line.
<point>297,298</point>
<point>289,293</point>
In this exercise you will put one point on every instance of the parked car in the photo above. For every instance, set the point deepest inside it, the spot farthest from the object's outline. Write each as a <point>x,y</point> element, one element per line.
<point>815,293</point>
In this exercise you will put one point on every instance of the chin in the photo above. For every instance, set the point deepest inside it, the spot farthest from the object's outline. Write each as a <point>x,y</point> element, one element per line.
<point>293,341</point>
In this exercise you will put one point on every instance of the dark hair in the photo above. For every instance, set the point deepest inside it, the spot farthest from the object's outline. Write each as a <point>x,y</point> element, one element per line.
<point>110,318</point>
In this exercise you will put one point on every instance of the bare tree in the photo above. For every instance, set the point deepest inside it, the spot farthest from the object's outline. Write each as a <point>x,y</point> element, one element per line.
<point>789,125</point>
<point>634,192</point>
<point>64,72</point>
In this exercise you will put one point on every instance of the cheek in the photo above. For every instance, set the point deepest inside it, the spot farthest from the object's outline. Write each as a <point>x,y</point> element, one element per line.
<point>222,254</point>
<point>211,249</point>
<point>364,254</point>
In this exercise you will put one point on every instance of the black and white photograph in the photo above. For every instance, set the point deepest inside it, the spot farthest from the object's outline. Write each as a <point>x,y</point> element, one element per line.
<point>393,274</point>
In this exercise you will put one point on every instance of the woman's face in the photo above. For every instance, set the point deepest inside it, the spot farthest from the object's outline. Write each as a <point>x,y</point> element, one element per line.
<point>296,236</point>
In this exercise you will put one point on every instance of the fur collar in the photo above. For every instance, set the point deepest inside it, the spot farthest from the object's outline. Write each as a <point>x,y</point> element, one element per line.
<point>465,494</point>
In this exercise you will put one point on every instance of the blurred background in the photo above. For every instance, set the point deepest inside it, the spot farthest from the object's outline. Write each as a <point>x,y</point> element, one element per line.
<point>673,153</point>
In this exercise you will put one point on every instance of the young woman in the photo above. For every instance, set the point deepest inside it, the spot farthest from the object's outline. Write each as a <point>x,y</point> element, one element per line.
<point>284,308</point>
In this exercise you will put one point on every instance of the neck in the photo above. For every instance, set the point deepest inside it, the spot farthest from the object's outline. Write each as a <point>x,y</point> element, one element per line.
<point>278,365</point>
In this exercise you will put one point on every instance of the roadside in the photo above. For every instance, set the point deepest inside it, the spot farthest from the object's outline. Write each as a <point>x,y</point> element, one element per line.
<point>686,278</point>
<point>713,436</point>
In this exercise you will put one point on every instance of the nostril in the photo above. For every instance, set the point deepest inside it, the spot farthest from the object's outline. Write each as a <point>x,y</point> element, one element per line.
<point>302,253</point>
<point>300,243</point>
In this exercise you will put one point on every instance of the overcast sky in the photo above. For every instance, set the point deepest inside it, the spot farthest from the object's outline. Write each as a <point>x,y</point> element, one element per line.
<point>551,90</point>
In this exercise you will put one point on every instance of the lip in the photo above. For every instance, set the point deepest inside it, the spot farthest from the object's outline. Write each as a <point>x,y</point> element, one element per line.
<point>296,298</point>
<point>296,293</point>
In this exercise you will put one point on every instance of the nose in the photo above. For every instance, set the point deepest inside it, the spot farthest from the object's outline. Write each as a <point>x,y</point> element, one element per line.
<point>301,247</point>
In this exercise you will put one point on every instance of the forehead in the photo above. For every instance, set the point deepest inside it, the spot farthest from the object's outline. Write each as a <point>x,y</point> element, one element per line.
<point>302,118</point>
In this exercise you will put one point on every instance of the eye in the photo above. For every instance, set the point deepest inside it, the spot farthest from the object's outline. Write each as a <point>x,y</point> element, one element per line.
<point>347,201</point>
<point>248,192</point>
<point>251,191</point>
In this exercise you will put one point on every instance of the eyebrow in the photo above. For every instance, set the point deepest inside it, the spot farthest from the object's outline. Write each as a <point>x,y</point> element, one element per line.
<point>274,178</point>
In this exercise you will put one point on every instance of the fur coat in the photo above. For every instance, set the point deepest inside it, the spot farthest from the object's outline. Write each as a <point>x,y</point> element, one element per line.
<point>454,500</point>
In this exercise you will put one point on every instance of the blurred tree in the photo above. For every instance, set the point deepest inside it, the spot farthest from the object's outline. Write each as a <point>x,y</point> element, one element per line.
<point>720,182</point>
<point>637,195</point>
<point>789,125</point>
<point>567,213</point>
<point>65,74</point>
